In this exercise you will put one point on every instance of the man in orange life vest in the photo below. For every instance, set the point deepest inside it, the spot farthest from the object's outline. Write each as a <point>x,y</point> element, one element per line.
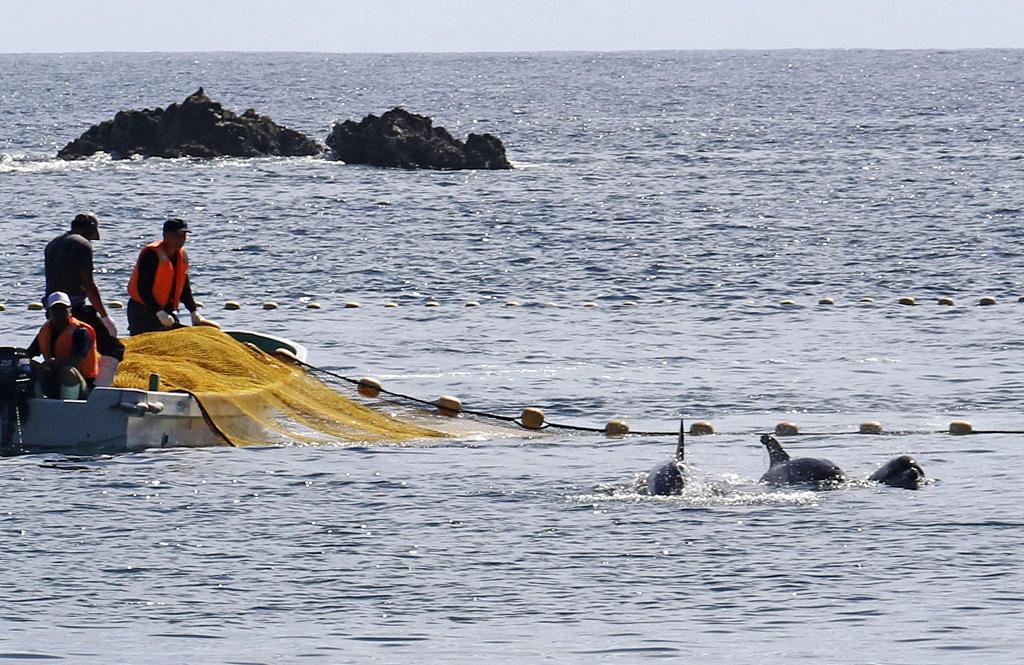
<point>160,282</point>
<point>68,347</point>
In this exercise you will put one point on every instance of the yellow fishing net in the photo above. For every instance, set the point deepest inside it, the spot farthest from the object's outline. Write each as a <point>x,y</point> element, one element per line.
<point>253,397</point>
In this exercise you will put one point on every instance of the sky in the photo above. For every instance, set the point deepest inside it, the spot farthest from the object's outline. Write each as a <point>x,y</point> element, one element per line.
<point>395,26</point>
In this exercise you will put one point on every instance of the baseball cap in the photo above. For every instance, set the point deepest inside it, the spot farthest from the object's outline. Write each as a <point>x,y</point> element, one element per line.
<point>87,221</point>
<point>58,298</point>
<point>175,225</point>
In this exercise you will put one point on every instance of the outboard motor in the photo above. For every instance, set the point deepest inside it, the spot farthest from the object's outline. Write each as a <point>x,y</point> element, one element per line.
<point>15,390</point>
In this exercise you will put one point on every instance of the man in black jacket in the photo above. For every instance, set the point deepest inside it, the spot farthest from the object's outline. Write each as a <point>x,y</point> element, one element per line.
<point>68,267</point>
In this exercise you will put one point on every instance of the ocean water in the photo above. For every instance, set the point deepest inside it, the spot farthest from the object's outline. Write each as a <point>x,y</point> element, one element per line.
<point>662,208</point>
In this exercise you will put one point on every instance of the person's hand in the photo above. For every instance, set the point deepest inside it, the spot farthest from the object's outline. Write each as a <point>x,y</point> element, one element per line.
<point>199,320</point>
<point>165,319</point>
<point>108,323</point>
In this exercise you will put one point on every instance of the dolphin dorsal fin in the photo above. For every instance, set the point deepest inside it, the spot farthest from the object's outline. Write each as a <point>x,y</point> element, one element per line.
<point>776,455</point>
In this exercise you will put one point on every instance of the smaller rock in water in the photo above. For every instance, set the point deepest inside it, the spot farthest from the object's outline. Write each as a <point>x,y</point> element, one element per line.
<point>406,140</point>
<point>198,127</point>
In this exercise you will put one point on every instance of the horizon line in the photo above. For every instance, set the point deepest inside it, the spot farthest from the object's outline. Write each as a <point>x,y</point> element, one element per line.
<point>521,52</point>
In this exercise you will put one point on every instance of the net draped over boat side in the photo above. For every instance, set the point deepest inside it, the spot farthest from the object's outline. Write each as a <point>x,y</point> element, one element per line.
<point>254,398</point>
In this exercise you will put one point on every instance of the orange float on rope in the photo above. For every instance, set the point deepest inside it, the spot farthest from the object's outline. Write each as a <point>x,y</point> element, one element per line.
<point>532,418</point>
<point>961,427</point>
<point>701,428</point>
<point>368,387</point>
<point>870,427</point>
<point>786,428</point>
<point>447,405</point>
<point>616,428</point>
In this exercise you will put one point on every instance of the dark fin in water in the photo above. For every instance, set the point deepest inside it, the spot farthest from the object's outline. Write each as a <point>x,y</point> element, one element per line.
<point>776,454</point>
<point>667,479</point>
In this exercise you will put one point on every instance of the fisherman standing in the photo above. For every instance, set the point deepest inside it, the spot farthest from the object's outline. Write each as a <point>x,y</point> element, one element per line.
<point>159,283</point>
<point>68,261</point>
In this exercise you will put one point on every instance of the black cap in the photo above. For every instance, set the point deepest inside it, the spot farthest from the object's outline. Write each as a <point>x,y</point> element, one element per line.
<point>88,224</point>
<point>175,225</point>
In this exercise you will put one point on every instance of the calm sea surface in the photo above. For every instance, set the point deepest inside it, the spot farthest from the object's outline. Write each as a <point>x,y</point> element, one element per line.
<point>704,187</point>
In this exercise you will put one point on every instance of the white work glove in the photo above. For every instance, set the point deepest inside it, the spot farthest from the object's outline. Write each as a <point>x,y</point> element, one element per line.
<point>108,323</point>
<point>165,319</point>
<point>198,320</point>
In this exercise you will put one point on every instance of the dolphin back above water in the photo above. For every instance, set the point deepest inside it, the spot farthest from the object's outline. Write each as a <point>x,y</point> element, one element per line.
<point>902,471</point>
<point>667,479</point>
<point>784,470</point>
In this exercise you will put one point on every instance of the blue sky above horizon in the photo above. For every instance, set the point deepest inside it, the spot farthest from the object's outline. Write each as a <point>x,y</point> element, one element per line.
<point>357,26</point>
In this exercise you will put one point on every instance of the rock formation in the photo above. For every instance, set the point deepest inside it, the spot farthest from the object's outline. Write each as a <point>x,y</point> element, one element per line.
<point>409,141</point>
<point>198,127</point>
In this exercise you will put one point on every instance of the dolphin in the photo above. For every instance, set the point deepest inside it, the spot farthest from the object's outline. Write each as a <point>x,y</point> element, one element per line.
<point>902,471</point>
<point>785,471</point>
<point>666,479</point>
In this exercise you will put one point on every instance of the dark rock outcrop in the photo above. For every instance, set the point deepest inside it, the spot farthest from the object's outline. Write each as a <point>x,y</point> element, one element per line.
<point>198,127</point>
<point>409,141</point>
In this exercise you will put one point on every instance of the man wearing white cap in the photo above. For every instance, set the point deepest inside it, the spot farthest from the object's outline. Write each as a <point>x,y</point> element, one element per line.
<point>68,347</point>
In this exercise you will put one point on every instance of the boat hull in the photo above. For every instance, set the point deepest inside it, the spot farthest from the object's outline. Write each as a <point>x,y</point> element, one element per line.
<point>118,420</point>
<point>111,420</point>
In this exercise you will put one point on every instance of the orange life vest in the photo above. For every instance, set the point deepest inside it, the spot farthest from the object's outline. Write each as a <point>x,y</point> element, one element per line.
<point>168,281</point>
<point>62,348</point>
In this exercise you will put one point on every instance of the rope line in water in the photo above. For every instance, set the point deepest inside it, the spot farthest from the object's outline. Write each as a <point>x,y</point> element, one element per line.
<point>479,414</point>
<point>793,302</point>
<point>600,430</point>
<point>907,432</point>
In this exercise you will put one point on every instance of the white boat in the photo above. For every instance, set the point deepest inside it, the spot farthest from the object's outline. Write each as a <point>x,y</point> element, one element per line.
<point>110,420</point>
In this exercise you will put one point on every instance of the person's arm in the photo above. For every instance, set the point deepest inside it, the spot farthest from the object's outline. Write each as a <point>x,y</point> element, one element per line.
<point>85,278</point>
<point>81,344</point>
<point>186,296</point>
<point>190,304</point>
<point>93,293</point>
<point>33,348</point>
